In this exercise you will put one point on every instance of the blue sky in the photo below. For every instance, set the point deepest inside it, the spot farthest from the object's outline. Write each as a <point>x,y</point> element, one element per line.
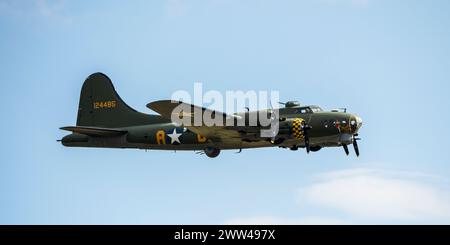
<point>387,61</point>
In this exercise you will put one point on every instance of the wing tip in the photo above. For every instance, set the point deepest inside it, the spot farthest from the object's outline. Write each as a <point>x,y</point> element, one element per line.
<point>154,104</point>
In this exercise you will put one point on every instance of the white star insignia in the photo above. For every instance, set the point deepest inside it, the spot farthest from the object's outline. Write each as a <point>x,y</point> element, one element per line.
<point>175,137</point>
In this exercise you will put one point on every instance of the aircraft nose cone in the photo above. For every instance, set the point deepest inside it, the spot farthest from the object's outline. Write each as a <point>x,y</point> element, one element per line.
<point>356,123</point>
<point>359,122</point>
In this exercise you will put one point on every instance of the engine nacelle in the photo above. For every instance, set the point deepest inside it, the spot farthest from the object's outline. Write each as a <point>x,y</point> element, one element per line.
<point>291,128</point>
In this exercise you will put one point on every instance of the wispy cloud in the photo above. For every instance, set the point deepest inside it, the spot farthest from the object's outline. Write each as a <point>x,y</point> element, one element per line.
<point>54,10</point>
<point>369,196</point>
<point>175,8</point>
<point>51,8</point>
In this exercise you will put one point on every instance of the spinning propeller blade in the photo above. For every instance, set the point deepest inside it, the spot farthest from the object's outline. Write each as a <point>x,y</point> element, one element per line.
<point>355,144</point>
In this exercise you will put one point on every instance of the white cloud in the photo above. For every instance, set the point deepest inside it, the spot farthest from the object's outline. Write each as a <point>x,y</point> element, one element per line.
<point>367,196</point>
<point>379,195</point>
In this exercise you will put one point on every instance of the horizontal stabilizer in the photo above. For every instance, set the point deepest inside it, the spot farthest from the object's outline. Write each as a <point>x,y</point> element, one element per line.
<point>94,131</point>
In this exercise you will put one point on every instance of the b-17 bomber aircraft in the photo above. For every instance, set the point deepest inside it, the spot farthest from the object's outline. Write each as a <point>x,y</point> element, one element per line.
<point>105,120</point>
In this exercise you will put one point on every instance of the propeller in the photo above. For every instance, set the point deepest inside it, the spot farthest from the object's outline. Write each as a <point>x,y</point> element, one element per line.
<point>306,128</point>
<point>355,144</point>
<point>346,149</point>
<point>273,119</point>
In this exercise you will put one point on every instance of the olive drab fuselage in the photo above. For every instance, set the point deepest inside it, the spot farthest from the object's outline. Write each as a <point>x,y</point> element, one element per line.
<point>104,120</point>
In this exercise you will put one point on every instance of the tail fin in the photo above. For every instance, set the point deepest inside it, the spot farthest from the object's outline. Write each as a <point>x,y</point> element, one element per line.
<point>101,106</point>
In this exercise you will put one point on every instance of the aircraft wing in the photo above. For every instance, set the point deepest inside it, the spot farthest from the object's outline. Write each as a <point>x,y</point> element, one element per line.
<point>167,109</point>
<point>94,131</point>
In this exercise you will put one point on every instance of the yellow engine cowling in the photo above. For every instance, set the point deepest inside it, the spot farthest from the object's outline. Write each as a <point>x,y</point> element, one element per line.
<point>292,128</point>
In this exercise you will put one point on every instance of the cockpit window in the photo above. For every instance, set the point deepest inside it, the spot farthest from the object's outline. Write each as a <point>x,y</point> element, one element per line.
<point>309,109</point>
<point>303,110</point>
<point>316,109</point>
